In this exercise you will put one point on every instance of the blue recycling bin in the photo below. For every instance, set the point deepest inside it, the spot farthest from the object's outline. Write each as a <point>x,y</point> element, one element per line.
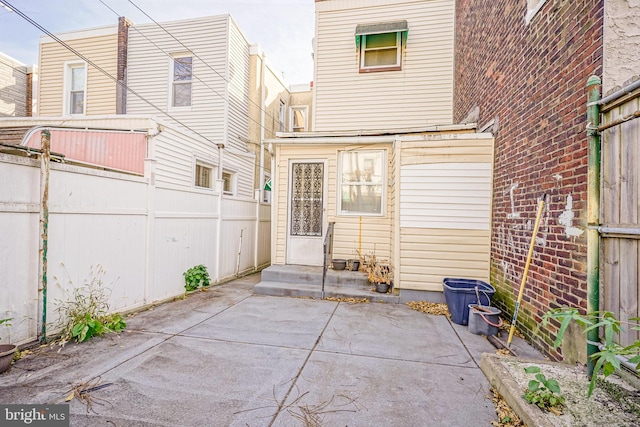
<point>459,293</point>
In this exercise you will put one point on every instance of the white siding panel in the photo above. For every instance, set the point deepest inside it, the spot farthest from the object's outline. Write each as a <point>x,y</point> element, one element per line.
<point>422,185</point>
<point>149,75</point>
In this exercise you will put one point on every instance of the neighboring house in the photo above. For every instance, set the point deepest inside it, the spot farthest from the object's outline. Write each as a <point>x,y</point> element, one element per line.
<point>383,162</point>
<point>521,72</point>
<point>16,87</point>
<point>189,197</point>
<point>112,203</point>
<point>68,86</point>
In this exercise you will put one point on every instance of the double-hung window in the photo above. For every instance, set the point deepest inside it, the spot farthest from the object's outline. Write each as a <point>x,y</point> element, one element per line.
<point>282,116</point>
<point>298,119</point>
<point>181,78</point>
<point>229,183</point>
<point>362,182</point>
<point>380,46</point>
<point>75,88</point>
<point>203,175</point>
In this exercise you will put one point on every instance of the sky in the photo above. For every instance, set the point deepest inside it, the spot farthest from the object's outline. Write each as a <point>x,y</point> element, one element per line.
<point>283,28</point>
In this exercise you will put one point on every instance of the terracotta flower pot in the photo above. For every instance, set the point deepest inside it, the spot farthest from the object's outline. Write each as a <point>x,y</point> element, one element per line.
<point>6,355</point>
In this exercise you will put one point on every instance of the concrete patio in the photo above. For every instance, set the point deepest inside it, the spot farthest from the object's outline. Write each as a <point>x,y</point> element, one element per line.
<point>228,357</point>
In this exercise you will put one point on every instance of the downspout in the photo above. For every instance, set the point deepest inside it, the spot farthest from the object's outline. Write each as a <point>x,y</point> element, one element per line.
<point>262,125</point>
<point>220,185</point>
<point>593,216</point>
<point>45,159</point>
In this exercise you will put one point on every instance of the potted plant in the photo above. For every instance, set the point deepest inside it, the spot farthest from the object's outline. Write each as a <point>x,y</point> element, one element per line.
<point>6,350</point>
<point>381,275</point>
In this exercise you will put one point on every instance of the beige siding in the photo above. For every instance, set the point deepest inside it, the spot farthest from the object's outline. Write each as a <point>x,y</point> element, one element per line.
<point>13,87</point>
<point>100,89</point>
<point>430,255</point>
<point>352,233</point>
<point>275,90</point>
<point>418,95</point>
<point>445,209</point>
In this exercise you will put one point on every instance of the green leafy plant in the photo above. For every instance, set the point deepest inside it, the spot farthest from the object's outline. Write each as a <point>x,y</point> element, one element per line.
<point>86,313</point>
<point>607,359</point>
<point>195,277</point>
<point>543,392</point>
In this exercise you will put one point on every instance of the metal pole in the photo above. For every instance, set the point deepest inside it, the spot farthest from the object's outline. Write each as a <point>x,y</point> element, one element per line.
<point>593,215</point>
<point>45,159</point>
<point>526,269</point>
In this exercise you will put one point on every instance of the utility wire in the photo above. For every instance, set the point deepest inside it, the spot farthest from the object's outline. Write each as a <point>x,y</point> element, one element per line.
<point>103,71</point>
<point>196,55</point>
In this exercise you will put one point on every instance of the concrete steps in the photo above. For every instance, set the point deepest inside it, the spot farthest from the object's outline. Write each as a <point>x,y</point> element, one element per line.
<point>306,282</point>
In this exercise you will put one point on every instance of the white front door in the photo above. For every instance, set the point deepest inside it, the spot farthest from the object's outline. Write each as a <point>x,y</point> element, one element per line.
<point>305,225</point>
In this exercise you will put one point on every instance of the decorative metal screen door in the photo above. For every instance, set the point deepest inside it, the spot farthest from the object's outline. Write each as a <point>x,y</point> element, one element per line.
<point>306,213</point>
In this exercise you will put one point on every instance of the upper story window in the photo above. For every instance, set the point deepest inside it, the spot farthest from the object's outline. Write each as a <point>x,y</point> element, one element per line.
<point>361,182</point>
<point>380,46</point>
<point>281,115</point>
<point>181,78</point>
<point>75,88</point>
<point>298,118</point>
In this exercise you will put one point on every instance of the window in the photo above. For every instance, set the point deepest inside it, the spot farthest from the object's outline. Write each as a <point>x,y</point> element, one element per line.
<point>181,77</point>
<point>281,117</point>
<point>204,174</point>
<point>533,7</point>
<point>380,46</point>
<point>75,88</point>
<point>228,183</point>
<point>361,182</point>
<point>298,119</point>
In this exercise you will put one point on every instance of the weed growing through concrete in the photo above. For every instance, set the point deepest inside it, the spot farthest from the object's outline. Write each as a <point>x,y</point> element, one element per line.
<point>195,277</point>
<point>86,313</point>
<point>544,392</point>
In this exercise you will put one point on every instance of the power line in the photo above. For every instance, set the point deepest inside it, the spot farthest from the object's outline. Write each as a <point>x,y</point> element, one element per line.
<point>201,60</point>
<point>103,71</point>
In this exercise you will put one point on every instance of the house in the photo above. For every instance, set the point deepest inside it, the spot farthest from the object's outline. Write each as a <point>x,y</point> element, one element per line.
<point>384,162</point>
<point>16,87</point>
<point>145,182</point>
<point>522,69</point>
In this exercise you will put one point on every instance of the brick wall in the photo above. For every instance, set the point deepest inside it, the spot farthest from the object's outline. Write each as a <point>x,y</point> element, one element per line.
<point>530,80</point>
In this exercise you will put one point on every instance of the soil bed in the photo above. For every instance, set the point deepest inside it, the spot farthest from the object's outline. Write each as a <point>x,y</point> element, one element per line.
<point>614,402</point>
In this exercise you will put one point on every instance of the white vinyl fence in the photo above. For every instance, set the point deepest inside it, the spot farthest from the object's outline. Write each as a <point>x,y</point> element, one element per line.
<point>142,237</point>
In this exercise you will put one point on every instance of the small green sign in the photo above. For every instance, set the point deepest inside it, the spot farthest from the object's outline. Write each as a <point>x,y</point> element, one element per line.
<point>267,185</point>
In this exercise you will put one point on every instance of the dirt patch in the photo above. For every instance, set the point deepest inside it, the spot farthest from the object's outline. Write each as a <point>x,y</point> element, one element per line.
<point>614,402</point>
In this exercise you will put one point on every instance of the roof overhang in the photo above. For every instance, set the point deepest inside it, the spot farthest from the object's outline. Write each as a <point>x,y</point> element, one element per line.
<point>378,136</point>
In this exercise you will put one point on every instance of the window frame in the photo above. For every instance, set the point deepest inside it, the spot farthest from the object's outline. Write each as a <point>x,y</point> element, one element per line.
<point>382,184</point>
<point>173,82</point>
<point>305,111</point>
<point>386,67</point>
<point>212,174</point>
<point>67,105</point>
<point>282,116</point>
<point>233,182</point>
